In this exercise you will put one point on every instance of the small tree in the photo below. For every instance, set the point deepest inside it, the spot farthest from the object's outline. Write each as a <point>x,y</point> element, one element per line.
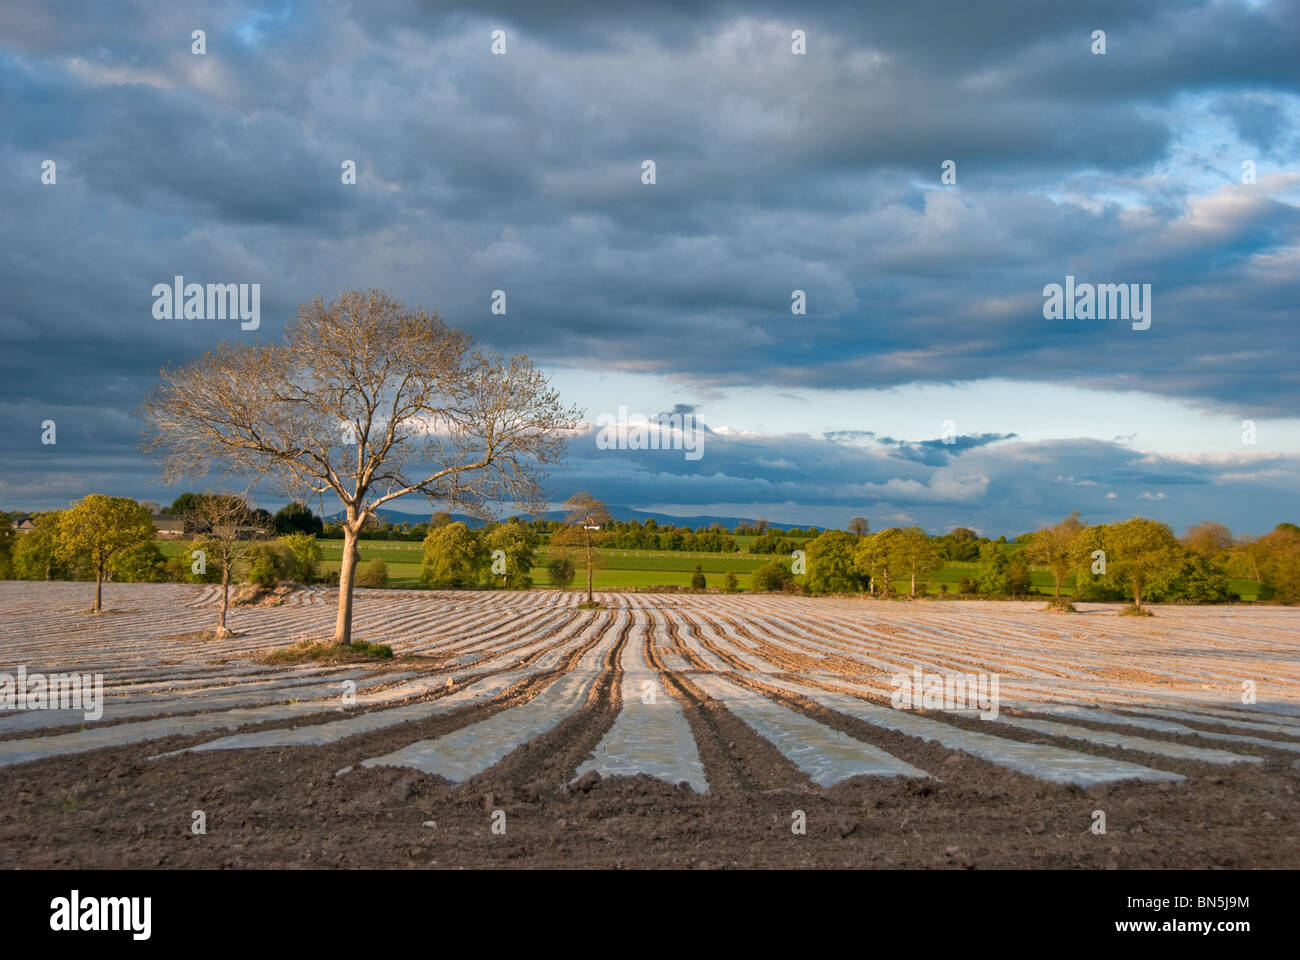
<point>916,555</point>
<point>1135,552</point>
<point>589,513</point>
<point>518,542</point>
<point>994,569</point>
<point>697,578</point>
<point>224,519</point>
<point>773,575</point>
<point>830,563</point>
<point>453,557</point>
<point>876,556</point>
<point>1054,547</point>
<point>729,583</point>
<point>859,527</point>
<point>99,528</point>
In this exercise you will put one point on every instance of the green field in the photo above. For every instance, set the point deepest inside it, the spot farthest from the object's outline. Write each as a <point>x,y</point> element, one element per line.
<point>648,568</point>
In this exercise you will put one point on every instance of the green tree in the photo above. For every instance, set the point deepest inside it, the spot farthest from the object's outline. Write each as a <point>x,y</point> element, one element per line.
<point>99,528</point>
<point>773,575</point>
<point>729,583</point>
<point>916,555</point>
<point>960,544</point>
<point>453,557</point>
<point>830,563</point>
<point>36,553</point>
<point>994,569</point>
<point>876,557</point>
<point>1279,562</point>
<point>185,503</point>
<point>1135,551</point>
<point>1190,578</point>
<point>1054,548</point>
<point>7,536</point>
<point>297,517</point>
<point>697,578</point>
<point>304,554</point>
<point>519,543</point>
<point>143,563</point>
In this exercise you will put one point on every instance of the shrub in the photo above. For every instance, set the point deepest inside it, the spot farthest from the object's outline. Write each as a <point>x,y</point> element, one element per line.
<point>141,564</point>
<point>729,583</point>
<point>773,575</point>
<point>697,578</point>
<point>374,573</point>
<point>264,565</point>
<point>561,570</point>
<point>301,556</point>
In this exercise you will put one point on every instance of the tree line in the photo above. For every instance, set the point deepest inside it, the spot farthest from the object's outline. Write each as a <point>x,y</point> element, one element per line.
<point>1140,560</point>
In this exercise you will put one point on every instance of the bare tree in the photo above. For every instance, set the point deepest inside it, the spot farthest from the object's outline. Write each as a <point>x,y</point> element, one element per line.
<point>370,401</point>
<point>224,521</point>
<point>859,527</point>
<point>591,514</point>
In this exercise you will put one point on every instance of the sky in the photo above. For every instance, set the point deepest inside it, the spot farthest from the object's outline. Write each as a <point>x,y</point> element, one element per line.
<point>923,383</point>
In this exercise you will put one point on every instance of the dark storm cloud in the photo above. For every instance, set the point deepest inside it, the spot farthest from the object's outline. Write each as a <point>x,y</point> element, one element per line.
<point>774,173</point>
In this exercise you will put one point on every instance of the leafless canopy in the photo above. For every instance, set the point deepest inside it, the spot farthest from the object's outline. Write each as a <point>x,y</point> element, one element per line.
<point>369,401</point>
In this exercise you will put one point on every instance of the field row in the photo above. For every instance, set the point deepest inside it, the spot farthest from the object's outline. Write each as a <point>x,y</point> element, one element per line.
<point>1080,700</point>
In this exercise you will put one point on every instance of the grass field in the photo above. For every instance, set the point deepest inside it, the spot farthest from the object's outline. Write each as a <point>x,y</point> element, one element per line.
<point>634,569</point>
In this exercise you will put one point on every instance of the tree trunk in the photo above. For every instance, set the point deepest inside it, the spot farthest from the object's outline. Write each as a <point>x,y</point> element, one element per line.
<point>99,588</point>
<point>1058,585</point>
<point>1137,596</point>
<point>225,598</point>
<point>347,569</point>
<point>589,597</point>
<point>913,584</point>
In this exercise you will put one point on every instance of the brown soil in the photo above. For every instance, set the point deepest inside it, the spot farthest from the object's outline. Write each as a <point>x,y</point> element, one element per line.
<point>285,808</point>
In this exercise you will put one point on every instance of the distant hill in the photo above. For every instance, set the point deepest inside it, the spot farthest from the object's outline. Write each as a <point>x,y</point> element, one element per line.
<point>617,511</point>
